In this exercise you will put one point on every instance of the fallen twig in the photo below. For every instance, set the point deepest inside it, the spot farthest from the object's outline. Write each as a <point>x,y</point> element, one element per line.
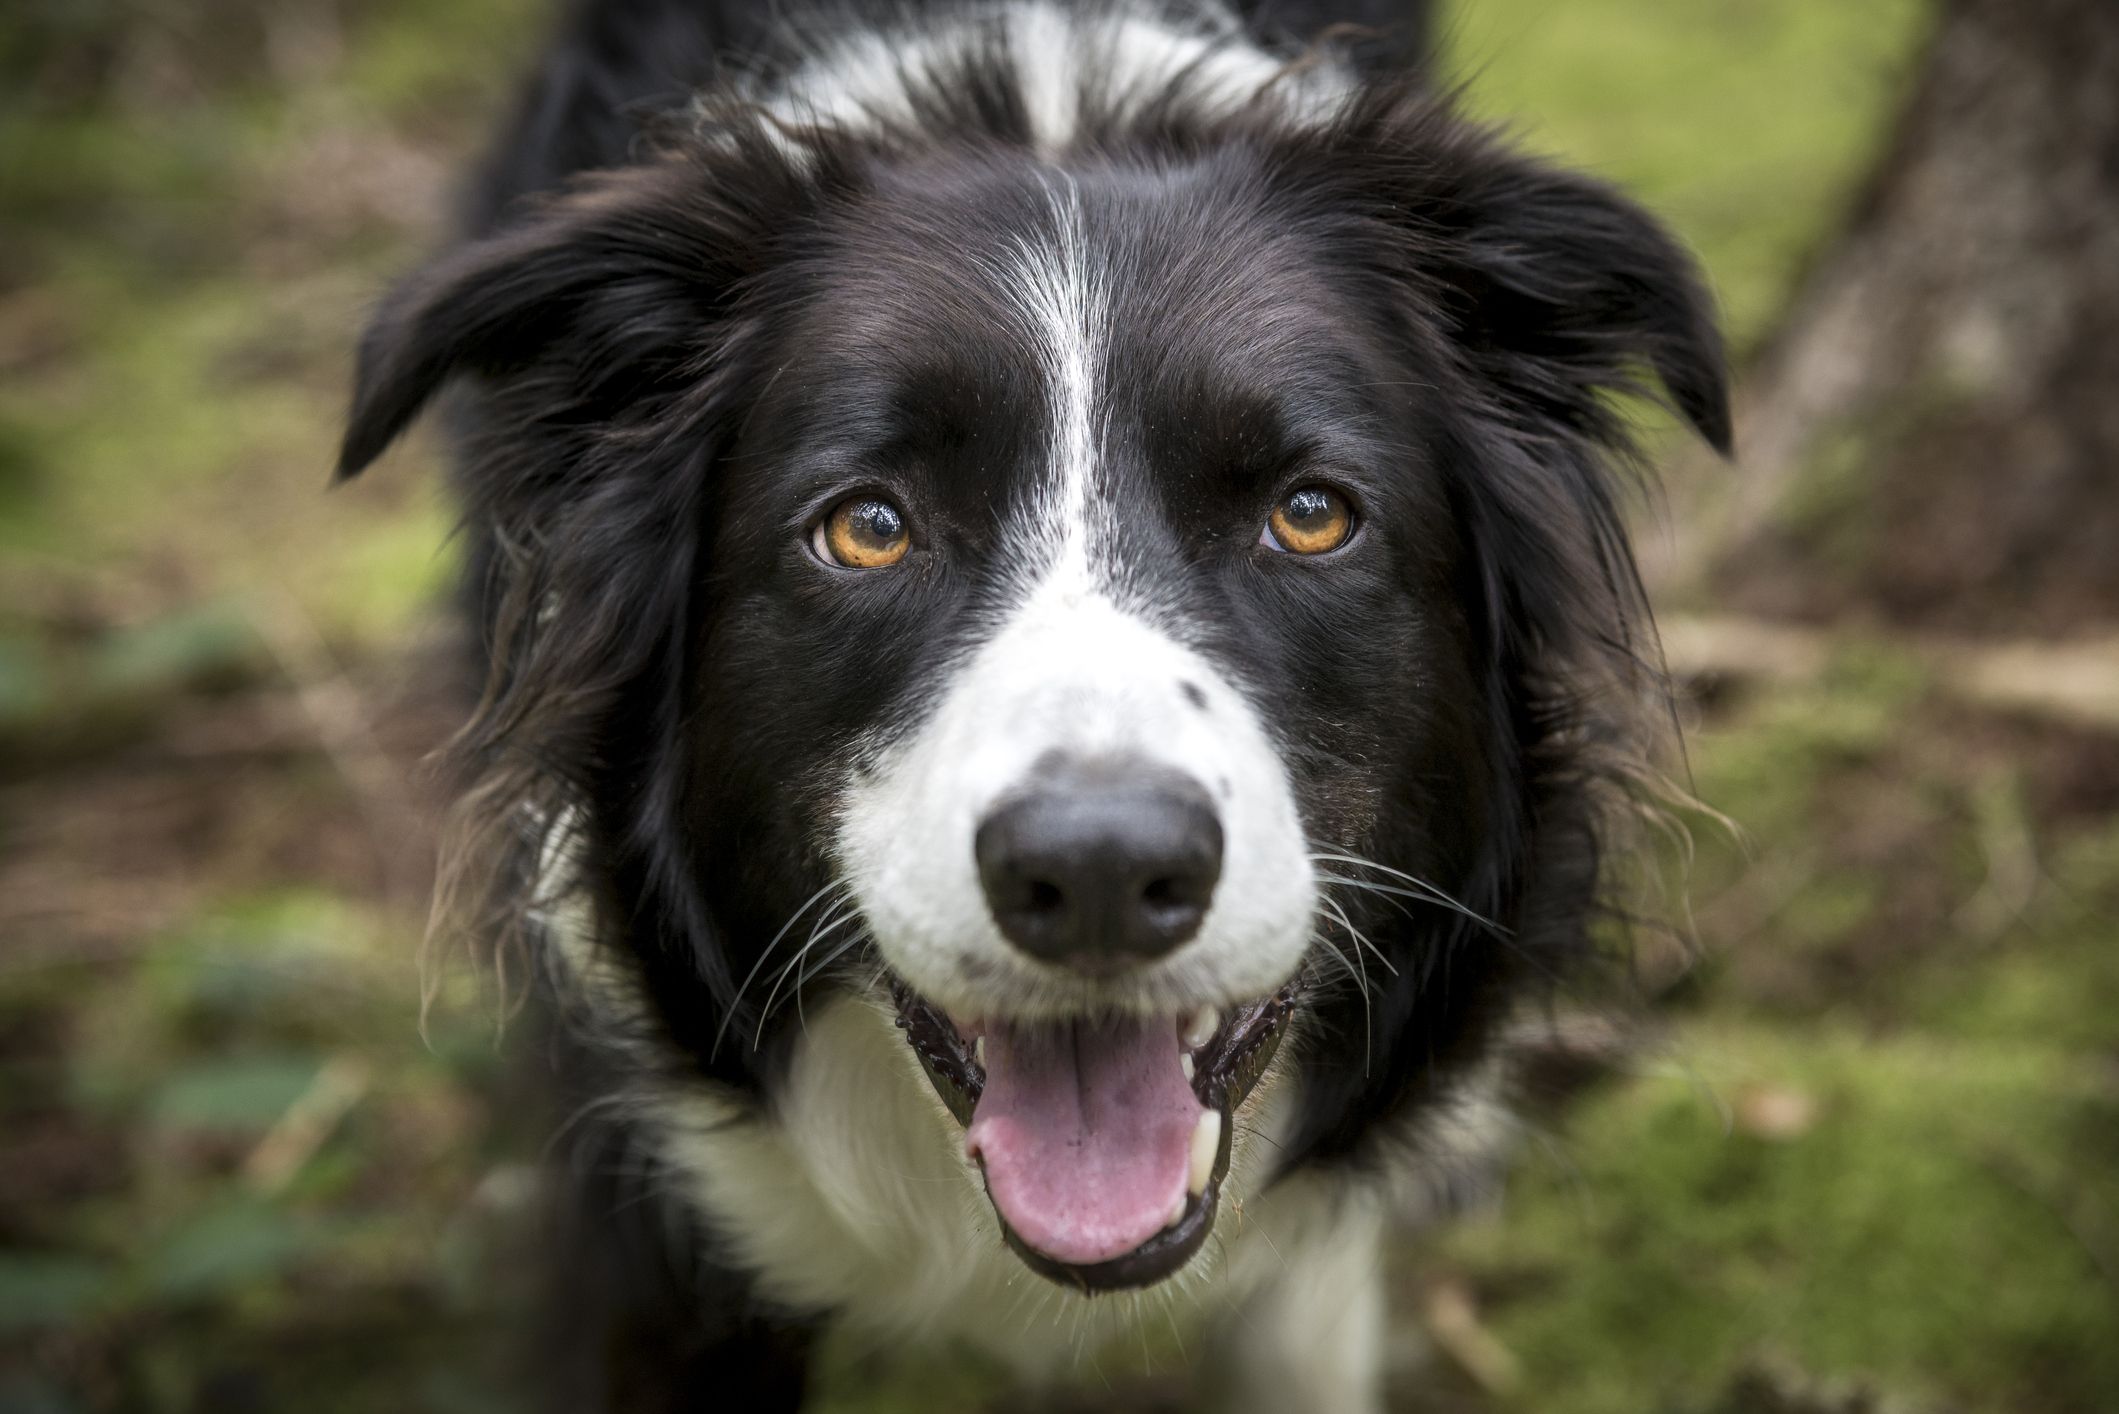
<point>1452,1321</point>
<point>305,1125</point>
<point>2074,682</point>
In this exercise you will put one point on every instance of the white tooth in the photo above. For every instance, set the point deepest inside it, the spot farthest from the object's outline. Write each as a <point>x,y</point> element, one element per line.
<point>1177,1212</point>
<point>1200,1028</point>
<point>1206,1141</point>
<point>978,1051</point>
<point>1185,1060</point>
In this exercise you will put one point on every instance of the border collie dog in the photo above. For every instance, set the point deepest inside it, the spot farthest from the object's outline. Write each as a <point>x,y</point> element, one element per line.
<point>1062,664</point>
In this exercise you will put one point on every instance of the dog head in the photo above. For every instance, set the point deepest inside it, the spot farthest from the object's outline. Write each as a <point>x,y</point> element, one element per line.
<point>1129,577</point>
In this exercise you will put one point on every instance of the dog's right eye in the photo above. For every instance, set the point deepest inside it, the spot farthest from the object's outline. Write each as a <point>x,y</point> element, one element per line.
<point>1311,521</point>
<point>862,533</point>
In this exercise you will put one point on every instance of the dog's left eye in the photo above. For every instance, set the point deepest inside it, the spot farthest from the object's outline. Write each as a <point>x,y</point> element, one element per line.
<point>862,533</point>
<point>1309,521</point>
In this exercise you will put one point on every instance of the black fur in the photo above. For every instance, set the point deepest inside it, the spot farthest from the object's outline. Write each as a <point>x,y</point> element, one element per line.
<point>1446,319</point>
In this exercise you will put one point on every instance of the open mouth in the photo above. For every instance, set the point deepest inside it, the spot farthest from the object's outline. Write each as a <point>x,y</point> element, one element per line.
<point>1103,1142</point>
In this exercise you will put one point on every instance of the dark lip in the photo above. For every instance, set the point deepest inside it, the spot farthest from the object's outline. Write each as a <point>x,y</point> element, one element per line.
<point>1226,1069</point>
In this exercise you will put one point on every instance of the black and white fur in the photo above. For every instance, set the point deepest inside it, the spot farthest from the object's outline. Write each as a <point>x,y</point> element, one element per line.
<point>1084,290</point>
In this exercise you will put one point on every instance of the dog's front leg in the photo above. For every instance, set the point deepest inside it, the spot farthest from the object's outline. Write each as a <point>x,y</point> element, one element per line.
<point>1310,1336</point>
<point>641,1318</point>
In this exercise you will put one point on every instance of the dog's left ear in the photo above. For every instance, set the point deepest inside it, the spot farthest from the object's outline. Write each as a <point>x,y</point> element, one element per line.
<point>599,292</point>
<point>1564,291</point>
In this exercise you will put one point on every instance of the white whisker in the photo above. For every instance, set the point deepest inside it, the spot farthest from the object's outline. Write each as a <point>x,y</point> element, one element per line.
<point>1417,887</point>
<point>735,1002</point>
<point>826,925</point>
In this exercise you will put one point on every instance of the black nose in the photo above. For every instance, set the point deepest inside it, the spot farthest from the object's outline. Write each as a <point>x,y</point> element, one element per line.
<point>1099,865</point>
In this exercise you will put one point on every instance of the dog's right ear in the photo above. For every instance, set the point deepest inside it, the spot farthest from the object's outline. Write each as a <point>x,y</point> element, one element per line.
<point>617,281</point>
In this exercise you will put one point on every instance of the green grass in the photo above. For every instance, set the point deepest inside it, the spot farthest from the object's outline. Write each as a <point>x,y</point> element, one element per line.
<point>1918,1236</point>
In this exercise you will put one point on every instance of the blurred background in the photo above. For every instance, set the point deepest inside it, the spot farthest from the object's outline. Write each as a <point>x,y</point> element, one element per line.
<point>1870,1161</point>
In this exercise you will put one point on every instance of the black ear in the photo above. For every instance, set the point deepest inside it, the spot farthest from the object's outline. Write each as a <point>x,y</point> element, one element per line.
<point>474,310</point>
<point>618,279</point>
<point>1566,290</point>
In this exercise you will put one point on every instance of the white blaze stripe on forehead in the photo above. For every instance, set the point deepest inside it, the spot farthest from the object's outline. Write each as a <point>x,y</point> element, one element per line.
<point>1056,286</point>
<point>1072,669</point>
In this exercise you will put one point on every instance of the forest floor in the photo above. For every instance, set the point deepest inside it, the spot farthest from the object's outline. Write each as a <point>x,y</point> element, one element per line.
<point>1869,1163</point>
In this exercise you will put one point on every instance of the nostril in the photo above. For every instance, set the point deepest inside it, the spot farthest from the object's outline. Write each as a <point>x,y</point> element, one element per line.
<point>1044,898</point>
<point>1177,891</point>
<point>1171,907</point>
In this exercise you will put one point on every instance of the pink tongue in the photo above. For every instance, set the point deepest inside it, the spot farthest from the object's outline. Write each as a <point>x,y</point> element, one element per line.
<point>1086,1133</point>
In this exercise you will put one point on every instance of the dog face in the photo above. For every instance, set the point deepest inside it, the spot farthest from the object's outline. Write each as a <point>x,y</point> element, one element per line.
<point>1129,606</point>
<point>1110,555</point>
<point>1080,436</point>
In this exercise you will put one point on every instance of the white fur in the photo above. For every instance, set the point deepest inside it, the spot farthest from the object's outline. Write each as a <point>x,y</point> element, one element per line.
<point>1060,294</point>
<point>871,79</point>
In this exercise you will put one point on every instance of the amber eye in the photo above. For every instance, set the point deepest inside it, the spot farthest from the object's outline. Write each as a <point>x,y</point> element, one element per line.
<point>862,533</point>
<point>1309,522</point>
